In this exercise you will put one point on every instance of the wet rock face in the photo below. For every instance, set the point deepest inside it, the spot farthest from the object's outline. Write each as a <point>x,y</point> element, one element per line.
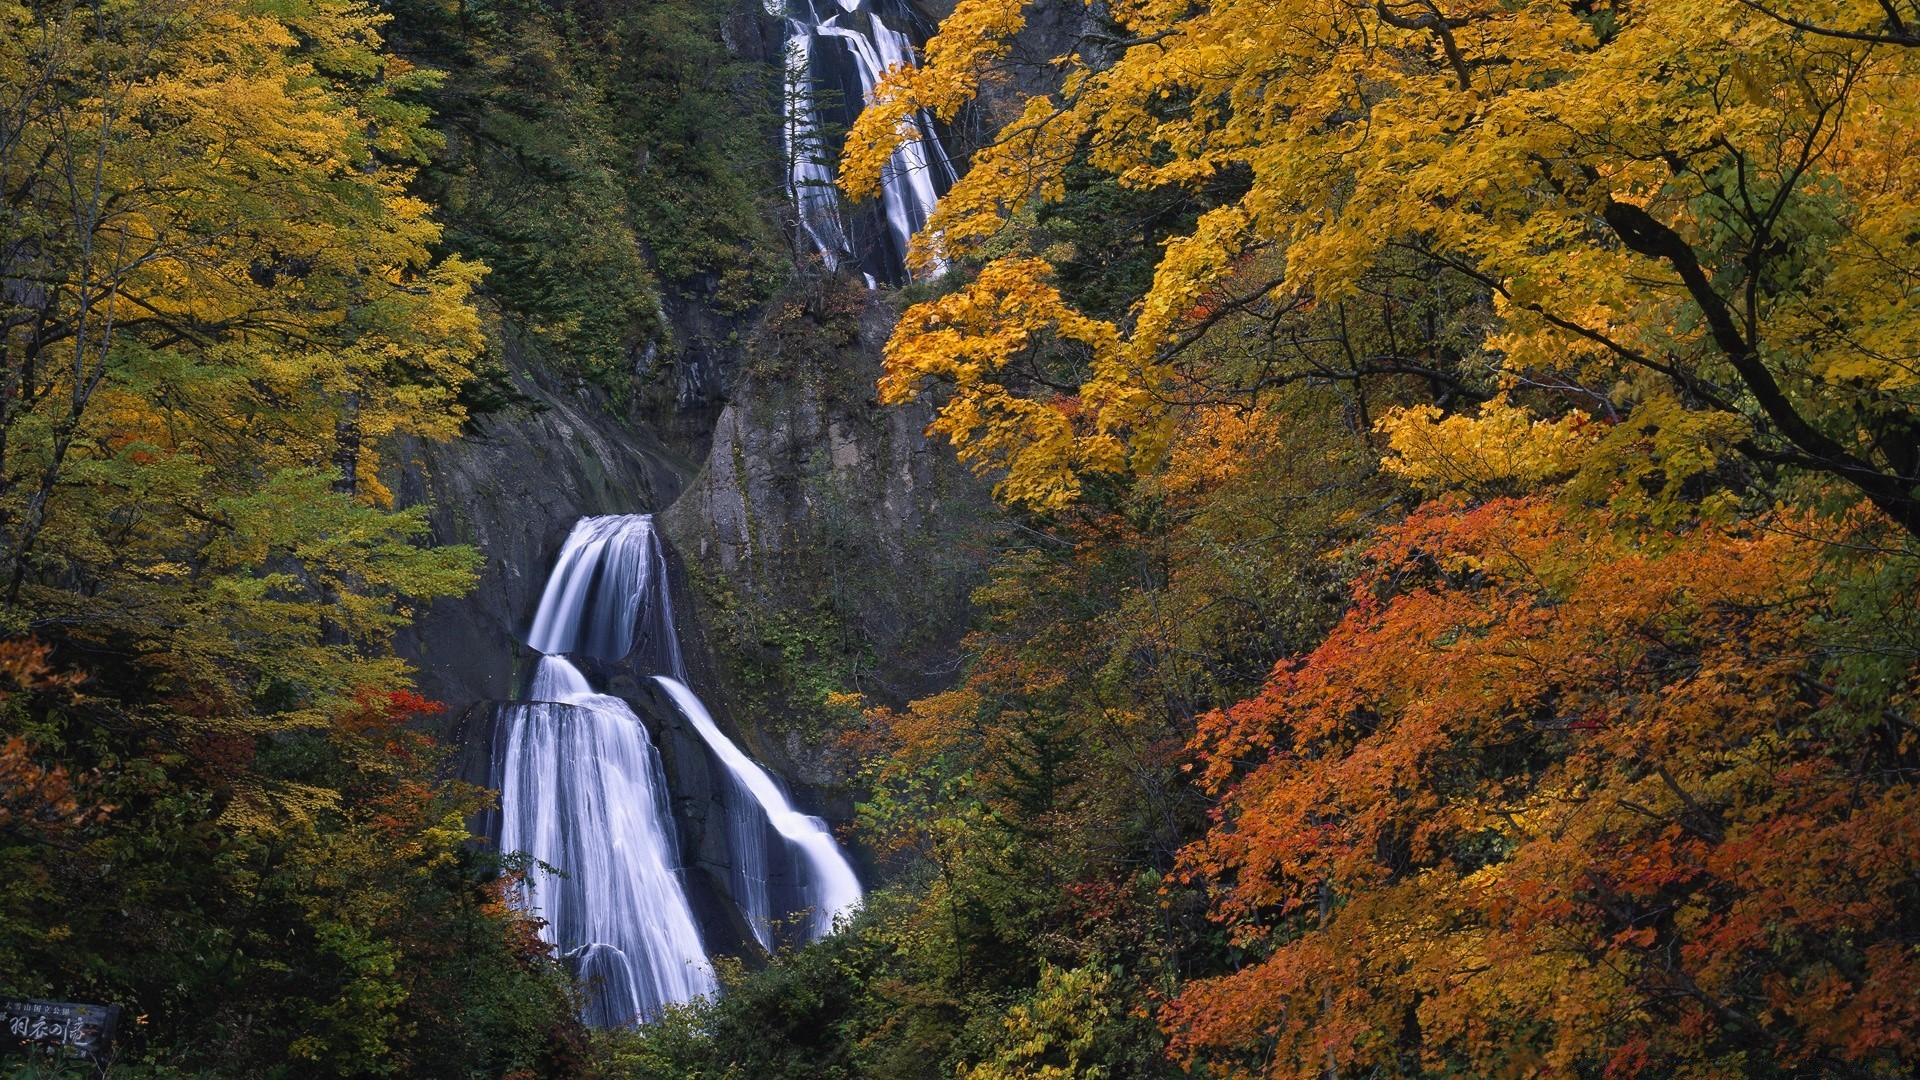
<point>825,534</point>
<point>698,797</point>
<point>800,497</point>
<point>512,490</point>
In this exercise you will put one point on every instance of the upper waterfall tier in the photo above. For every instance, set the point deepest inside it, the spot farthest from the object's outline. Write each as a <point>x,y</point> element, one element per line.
<point>835,56</point>
<point>607,595</point>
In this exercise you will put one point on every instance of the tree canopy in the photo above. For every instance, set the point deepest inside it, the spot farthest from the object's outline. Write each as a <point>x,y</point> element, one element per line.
<point>1708,202</point>
<point>218,300</point>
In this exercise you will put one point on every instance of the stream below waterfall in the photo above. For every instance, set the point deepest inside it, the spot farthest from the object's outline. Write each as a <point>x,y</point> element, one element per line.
<point>583,792</point>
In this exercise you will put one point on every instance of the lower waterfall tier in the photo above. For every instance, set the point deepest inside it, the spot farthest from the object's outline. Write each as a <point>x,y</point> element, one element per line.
<point>582,791</point>
<point>827,888</point>
<point>584,795</point>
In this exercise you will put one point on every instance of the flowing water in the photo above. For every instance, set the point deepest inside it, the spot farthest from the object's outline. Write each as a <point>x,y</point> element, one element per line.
<point>836,51</point>
<point>582,790</point>
<point>827,880</point>
<point>607,596</point>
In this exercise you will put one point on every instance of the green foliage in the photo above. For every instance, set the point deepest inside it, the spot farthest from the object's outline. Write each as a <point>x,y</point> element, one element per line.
<point>530,179</point>
<point>212,808</point>
<point>359,936</point>
<point>783,664</point>
<point>1104,238</point>
<point>860,1005</point>
<point>702,133</point>
<point>589,156</point>
<point>789,1022</point>
<point>1057,1033</point>
<point>1027,819</point>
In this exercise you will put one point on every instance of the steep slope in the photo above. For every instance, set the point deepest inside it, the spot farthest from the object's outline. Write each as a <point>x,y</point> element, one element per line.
<point>831,543</point>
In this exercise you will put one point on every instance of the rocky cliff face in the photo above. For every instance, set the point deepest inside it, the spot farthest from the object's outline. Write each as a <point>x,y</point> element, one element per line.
<point>817,542</point>
<point>823,542</point>
<point>830,543</point>
<point>512,489</point>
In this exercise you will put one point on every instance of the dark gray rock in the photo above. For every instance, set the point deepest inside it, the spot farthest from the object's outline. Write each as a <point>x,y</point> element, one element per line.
<point>512,490</point>
<point>818,507</point>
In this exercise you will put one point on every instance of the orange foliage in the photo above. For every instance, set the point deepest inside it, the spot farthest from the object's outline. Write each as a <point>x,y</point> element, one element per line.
<point>1553,802</point>
<point>1215,445</point>
<point>397,793</point>
<point>505,904</point>
<point>37,799</point>
<point>382,718</point>
<point>23,664</point>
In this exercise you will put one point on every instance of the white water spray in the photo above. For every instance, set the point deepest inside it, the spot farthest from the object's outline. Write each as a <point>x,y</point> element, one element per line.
<point>830,885</point>
<point>582,789</point>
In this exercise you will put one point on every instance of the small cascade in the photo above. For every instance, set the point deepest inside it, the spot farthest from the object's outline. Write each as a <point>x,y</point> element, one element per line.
<point>607,595</point>
<point>836,51</point>
<point>828,882</point>
<point>582,789</point>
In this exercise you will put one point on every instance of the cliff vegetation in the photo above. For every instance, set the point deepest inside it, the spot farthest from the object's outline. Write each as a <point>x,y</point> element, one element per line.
<point>1446,608</point>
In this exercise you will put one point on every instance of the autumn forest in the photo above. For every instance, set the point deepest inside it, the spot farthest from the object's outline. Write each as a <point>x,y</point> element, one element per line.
<point>1434,513</point>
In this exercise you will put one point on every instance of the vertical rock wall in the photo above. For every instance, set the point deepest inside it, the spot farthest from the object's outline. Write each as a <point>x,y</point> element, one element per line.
<point>829,542</point>
<point>511,489</point>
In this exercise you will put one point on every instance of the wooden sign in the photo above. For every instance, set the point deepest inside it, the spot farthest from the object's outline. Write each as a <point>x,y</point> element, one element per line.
<point>78,1031</point>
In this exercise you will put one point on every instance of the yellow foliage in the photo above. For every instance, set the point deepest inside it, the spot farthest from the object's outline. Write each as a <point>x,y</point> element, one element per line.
<point>1505,446</point>
<point>246,202</point>
<point>1637,200</point>
<point>1216,445</point>
<point>968,338</point>
<point>234,300</point>
<point>974,35</point>
<point>1049,1036</point>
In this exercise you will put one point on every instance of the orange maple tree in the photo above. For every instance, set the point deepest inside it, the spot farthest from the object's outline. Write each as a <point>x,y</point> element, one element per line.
<point>37,800</point>
<point>1566,796</point>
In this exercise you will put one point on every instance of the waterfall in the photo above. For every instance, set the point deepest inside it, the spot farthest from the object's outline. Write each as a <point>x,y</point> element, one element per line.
<point>607,595</point>
<point>829,882</point>
<point>582,790</point>
<point>835,55</point>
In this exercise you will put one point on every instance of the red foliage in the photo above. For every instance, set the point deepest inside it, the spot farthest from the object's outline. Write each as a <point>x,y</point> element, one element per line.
<point>36,799</point>
<point>1551,801</point>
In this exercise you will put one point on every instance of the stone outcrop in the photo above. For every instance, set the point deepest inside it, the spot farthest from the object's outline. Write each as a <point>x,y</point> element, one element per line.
<point>794,501</point>
<point>827,538</point>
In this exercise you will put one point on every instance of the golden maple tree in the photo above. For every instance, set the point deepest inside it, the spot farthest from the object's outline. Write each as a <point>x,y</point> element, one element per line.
<point>219,298</point>
<point>1712,201</point>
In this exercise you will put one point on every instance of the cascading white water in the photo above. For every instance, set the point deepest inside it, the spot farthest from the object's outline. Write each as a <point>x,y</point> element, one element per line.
<point>607,595</point>
<point>582,789</point>
<point>830,885</point>
<point>843,48</point>
<point>810,178</point>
